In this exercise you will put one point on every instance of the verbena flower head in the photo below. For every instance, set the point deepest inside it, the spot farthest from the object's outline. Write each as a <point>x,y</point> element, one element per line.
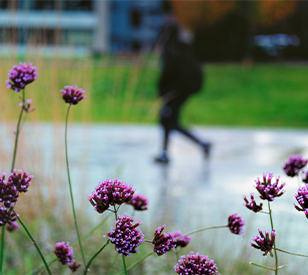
<point>109,193</point>
<point>20,76</point>
<point>126,236</point>
<point>64,253</point>
<point>21,180</point>
<point>294,164</point>
<point>267,189</point>
<point>12,227</point>
<point>196,264</point>
<point>26,106</point>
<point>305,177</point>
<point>180,241</point>
<point>72,94</point>
<point>163,242</point>
<point>139,202</point>
<point>252,205</point>
<point>265,242</point>
<point>7,215</point>
<point>8,192</point>
<point>236,224</point>
<point>74,266</point>
<point>302,198</point>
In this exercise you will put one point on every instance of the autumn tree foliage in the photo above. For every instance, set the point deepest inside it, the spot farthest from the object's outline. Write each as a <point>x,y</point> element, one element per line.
<point>195,14</point>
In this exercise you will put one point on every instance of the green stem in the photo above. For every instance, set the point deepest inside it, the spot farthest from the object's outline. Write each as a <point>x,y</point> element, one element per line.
<point>116,255</point>
<point>87,266</point>
<point>202,229</point>
<point>52,259</point>
<point>124,265</point>
<point>272,226</point>
<point>138,262</point>
<point>12,167</point>
<point>36,246</point>
<point>262,266</point>
<point>71,190</point>
<point>123,258</point>
<point>295,254</point>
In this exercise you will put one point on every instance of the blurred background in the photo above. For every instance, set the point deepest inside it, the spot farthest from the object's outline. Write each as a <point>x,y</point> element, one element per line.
<point>252,107</point>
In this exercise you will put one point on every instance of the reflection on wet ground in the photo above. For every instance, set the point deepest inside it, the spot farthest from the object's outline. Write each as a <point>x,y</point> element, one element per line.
<point>186,194</point>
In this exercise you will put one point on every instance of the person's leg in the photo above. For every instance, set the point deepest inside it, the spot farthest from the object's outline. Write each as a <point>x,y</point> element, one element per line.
<point>166,122</point>
<point>206,146</point>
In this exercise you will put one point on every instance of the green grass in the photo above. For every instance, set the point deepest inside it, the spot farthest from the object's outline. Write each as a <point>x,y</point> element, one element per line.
<point>124,90</point>
<point>264,95</point>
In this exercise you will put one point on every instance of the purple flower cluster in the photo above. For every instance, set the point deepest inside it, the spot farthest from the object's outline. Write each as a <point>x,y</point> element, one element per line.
<point>9,194</point>
<point>196,264</point>
<point>236,224</point>
<point>163,242</point>
<point>252,205</point>
<point>126,237</point>
<point>20,76</point>
<point>12,227</point>
<point>64,253</point>
<point>267,189</point>
<point>20,180</point>
<point>26,106</point>
<point>265,242</point>
<point>180,241</point>
<point>294,164</point>
<point>302,199</point>
<point>305,177</point>
<point>109,193</point>
<point>139,202</point>
<point>72,95</point>
<point>7,215</point>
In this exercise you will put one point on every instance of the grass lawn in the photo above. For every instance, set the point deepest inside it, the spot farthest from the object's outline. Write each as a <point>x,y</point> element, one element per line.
<point>125,91</point>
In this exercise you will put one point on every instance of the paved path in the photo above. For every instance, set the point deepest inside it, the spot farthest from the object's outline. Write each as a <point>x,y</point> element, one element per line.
<point>186,194</point>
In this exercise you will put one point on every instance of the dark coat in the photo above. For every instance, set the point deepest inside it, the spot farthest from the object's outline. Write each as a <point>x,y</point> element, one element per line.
<point>181,72</point>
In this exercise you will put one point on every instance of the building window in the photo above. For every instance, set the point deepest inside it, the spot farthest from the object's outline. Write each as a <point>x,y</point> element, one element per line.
<point>135,18</point>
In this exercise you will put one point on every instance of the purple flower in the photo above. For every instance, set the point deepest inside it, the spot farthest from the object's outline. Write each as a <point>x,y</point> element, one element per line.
<point>302,199</point>
<point>8,192</point>
<point>196,264</point>
<point>74,266</point>
<point>7,215</point>
<point>72,95</point>
<point>163,242</point>
<point>20,76</point>
<point>12,227</point>
<point>265,243</point>
<point>180,241</point>
<point>252,205</point>
<point>64,253</point>
<point>236,224</point>
<point>109,193</point>
<point>305,177</point>
<point>26,106</point>
<point>20,180</point>
<point>126,237</point>
<point>267,189</point>
<point>293,165</point>
<point>139,202</point>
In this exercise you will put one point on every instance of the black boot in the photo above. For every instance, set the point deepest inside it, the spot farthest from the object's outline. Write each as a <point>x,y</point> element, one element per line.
<point>163,158</point>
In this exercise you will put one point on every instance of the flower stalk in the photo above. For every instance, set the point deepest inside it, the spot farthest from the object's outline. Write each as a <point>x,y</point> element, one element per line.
<point>36,246</point>
<point>272,226</point>
<point>70,187</point>
<point>87,266</point>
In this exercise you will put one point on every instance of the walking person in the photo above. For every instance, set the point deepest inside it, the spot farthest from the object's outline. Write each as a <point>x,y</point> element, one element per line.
<point>180,78</point>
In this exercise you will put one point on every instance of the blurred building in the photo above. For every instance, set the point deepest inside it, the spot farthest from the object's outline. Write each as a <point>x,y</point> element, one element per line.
<point>79,25</point>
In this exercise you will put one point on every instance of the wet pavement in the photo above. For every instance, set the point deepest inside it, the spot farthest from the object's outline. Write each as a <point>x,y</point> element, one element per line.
<point>188,193</point>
